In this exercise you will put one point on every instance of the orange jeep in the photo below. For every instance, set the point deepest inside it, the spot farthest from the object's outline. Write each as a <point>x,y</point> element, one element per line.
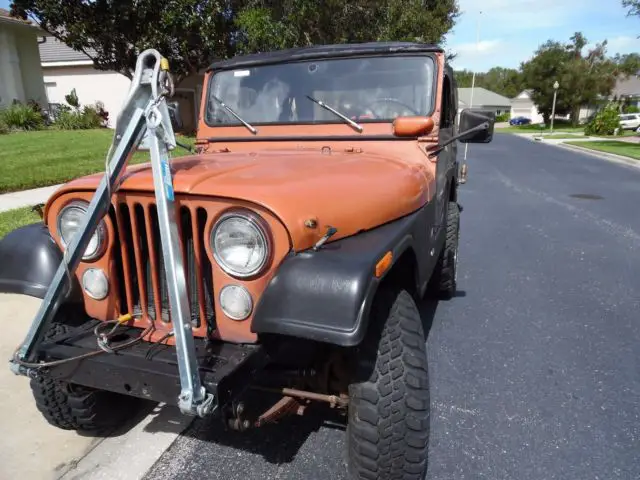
<point>320,206</point>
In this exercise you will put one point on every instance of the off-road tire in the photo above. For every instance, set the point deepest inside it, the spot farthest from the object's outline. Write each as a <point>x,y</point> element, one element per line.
<point>443,282</point>
<point>74,407</point>
<point>388,426</point>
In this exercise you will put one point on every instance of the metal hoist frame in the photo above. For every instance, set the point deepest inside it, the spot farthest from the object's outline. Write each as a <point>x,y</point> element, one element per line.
<point>145,111</point>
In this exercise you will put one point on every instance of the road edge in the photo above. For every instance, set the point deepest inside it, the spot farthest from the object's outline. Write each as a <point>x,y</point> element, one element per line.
<point>611,157</point>
<point>122,458</point>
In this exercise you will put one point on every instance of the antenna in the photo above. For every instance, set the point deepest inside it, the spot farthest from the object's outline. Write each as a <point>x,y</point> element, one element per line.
<point>473,78</point>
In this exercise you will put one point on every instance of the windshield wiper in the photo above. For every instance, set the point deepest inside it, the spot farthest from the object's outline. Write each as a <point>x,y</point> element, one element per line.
<point>355,125</point>
<point>250,127</point>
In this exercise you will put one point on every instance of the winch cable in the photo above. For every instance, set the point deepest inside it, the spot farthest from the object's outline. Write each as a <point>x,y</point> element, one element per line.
<point>108,349</point>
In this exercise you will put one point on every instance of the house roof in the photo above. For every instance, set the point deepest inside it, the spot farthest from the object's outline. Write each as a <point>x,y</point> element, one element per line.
<point>482,97</point>
<point>53,50</point>
<point>323,51</point>
<point>5,16</point>
<point>629,86</point>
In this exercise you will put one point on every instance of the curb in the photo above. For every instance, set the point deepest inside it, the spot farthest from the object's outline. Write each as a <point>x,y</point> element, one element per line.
<point>612,157</point>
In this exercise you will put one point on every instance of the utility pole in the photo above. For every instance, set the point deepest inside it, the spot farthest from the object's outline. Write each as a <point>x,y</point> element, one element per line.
<point>556,86</point>
<point>473,79</point>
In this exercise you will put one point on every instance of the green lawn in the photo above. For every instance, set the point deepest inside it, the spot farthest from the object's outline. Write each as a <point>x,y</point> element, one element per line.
<point>16,218</point>
<point>563,136</point>
<point>631,150</point>
<point>538,129</point>
<point>37,159</point>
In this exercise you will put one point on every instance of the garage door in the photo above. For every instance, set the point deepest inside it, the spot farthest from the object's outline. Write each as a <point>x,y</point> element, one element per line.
<point>521,112</point>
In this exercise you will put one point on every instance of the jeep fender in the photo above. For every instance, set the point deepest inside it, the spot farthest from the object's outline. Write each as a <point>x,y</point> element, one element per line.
<point>29,258</point>
<point>326,295</point>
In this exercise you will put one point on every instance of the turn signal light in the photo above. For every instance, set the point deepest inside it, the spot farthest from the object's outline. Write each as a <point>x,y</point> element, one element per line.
<point>383,264</point>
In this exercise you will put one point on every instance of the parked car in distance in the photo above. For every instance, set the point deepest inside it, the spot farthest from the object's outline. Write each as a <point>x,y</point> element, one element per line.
<point>520,121</point>
<point>629,121</point>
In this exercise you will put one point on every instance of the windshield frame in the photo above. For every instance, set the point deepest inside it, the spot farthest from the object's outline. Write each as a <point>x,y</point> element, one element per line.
<point>434,94</point>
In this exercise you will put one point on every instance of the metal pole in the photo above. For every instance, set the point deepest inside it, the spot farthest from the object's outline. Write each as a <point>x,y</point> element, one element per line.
<point>473,79</point>
<point>193,397</point>
<point>553,108</point>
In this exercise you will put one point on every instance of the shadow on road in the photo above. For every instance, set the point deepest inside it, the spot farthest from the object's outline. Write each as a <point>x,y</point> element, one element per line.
<point>279,443</point>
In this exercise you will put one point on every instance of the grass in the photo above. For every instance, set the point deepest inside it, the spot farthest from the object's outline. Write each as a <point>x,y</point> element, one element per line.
<point>558,126</point>
<point>563,136</point>
<point>13,219</point>
<point>48,157</point>
<point>626,149</point>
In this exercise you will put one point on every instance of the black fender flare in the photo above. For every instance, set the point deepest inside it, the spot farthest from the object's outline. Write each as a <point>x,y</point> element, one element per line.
<point>326,295</point>
<point>29,259</point>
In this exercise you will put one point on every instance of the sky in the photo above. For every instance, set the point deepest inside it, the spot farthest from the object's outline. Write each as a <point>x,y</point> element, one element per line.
<point>511,30</point>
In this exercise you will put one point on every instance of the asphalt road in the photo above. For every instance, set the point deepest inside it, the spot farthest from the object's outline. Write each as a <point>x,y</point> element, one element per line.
<point>535,366</point>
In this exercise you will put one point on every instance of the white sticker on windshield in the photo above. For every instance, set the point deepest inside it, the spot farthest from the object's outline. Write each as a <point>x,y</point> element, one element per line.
<point>241,73</point>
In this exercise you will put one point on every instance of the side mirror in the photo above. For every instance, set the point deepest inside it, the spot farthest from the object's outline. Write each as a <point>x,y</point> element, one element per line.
<point>472,118</point>
<point>174,114</point>
<point>412,126</point>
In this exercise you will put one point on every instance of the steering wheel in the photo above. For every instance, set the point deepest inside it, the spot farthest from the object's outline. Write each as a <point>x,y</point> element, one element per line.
<point>391,101</point>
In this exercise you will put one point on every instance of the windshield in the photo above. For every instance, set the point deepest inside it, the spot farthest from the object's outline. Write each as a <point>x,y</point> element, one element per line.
<point>361,89</point>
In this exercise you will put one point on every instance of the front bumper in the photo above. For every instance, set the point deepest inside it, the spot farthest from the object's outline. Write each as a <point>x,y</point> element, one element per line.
<point>150,370</point>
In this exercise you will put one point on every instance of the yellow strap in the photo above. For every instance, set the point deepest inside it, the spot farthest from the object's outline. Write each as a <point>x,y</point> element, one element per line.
<point>164,64</point>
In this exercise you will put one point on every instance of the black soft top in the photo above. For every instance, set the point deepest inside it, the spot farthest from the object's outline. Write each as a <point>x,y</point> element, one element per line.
<point>322,51</point>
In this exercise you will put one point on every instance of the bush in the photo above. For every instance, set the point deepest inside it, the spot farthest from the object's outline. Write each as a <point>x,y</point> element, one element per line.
<point>505,117</point>
<point>84,119</point>
<point>605,122</point>
<point>630,109</point>
<point>4,128</point>
<point>22,117</point>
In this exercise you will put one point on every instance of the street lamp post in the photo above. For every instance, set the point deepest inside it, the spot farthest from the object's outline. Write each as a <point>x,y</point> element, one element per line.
<point>556,86</point>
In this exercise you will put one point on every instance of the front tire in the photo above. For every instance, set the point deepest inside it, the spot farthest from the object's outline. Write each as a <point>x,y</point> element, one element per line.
<point>388,427</point>
<point>444,280</point>
<point>74,407</point>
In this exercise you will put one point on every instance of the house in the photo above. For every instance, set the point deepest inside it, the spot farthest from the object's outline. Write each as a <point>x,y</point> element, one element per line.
<point>628,89</point>
<point>483,98</point>
<point>20,72</point>
<point>523,106</point>
<point>66,69</point>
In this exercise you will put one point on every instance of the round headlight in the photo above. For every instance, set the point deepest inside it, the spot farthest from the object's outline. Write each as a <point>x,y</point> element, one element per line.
<point>235,302</point>
<point>69,222</point>
<point>240,244</point>
<point>95,283</point>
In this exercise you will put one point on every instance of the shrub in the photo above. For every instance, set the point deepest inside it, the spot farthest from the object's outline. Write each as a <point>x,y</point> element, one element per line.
<point>83,119</point>
<point>4,128</point>
<point>72,99</point>
<point>630,109</point>
<point>605,122</point>
<point>504,117</point>
<point>22,117</point>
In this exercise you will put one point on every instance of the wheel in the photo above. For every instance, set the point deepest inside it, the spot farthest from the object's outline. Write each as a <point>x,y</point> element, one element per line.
<point>74,407</point>
<point>388,422</point>
<point>445,275</point>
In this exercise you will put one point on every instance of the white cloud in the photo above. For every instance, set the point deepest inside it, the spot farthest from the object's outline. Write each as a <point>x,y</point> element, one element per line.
<point>483,47</point>
<point>623,44</point>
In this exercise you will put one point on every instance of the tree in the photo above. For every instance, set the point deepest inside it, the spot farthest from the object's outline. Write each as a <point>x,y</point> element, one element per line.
<point>504,81</point>
<point>191,33</point>
<point>633,6</point>
<point>188,32</point>
<point>270,24</point>
<point>583,78</point>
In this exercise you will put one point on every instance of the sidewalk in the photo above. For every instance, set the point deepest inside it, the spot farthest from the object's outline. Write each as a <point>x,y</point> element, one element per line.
<point>26,198</point>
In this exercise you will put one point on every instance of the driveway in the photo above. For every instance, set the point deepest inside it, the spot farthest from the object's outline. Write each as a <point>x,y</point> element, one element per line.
<point>535,366</point>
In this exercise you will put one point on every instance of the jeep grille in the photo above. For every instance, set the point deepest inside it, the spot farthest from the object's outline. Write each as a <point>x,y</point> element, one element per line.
<point>142,284</point>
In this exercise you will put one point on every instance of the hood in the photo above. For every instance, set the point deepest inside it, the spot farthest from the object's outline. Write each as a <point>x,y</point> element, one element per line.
<point>349,191</point>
